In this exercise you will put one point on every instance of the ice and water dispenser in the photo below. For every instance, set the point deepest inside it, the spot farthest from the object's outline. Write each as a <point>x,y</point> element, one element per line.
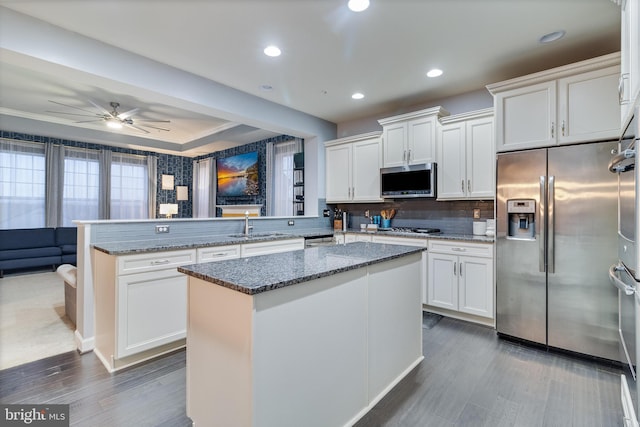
<point>521,216</point>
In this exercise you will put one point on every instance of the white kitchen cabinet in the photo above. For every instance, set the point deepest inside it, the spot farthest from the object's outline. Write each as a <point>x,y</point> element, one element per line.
<point>564,105</point>
<point>218,253</point>
<point>460,277</point>
<point>271,247</point>
<point>141,309</point>
<point>353,169</point>
<point>408,241</point>
<point>629,79</point>
<point>411,138</point>
<point>466,156</point>
<point>357,237</point>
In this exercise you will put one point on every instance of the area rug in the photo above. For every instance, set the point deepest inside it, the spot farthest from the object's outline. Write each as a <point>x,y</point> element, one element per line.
<point>33,324</point>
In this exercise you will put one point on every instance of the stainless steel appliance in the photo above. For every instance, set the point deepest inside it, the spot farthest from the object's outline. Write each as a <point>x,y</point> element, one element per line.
<point>625,274</point>
<point>408,181</point>
<point>555,240</point>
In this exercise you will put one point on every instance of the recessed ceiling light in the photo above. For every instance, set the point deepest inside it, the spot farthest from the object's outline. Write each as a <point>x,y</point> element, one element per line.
<point>434,72</point>
<point>357,95</point>
<point>551,37</point>
<point>358,5</point>
<point>272,51</point>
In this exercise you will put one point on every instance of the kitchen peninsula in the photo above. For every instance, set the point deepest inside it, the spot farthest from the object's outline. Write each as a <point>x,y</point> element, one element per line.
<point>313,337</point>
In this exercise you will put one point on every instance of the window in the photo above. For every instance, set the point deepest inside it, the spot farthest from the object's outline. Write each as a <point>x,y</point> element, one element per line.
<point>204,191</point>
<point>129,187</point>
<point>22,185</point>
<point>280,176</point>
<point>80,199</point>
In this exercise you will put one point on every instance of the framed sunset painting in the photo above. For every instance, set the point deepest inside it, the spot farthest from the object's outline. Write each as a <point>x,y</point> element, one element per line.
<point>237,176</point>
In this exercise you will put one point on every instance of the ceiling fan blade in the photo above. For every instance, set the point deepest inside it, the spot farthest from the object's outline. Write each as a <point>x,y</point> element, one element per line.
<point>90,121</point>
<point>74,114</point>
<point>102,109</point>
<point>127,114</point>
<point>135,127</point>
<point>153,121</point>
<point>71,106</point>
<point>156,127</point>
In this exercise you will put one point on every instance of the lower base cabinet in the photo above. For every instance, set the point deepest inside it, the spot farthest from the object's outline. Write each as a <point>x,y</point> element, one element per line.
<point>460,277</point>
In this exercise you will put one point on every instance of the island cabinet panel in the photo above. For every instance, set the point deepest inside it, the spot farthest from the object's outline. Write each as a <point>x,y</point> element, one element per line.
<point>218,253</point>
<point>316,354</point>
<point>140,305</point>
<point>152,310</point>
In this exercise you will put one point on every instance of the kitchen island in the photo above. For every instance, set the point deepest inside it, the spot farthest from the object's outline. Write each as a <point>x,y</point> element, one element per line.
<point>314,337</point>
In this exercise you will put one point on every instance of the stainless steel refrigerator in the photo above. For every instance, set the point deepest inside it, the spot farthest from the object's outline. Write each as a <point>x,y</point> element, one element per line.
<point>556,223</point>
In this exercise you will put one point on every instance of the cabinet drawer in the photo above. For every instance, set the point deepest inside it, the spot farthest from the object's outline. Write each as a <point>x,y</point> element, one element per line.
<point>141,263</point>
<point>271,247</point>
<point>218,253</point>
<point>392,240</point>
<point>461,248</point>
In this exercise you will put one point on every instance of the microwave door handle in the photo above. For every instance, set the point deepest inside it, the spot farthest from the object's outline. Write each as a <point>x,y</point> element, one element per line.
<point>614,270</point>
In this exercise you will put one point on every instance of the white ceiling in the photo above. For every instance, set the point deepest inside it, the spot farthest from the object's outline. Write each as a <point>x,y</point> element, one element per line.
<point>328,53</point>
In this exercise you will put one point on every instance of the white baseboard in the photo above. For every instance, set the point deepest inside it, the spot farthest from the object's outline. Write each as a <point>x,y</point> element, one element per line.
<point>84,345</point>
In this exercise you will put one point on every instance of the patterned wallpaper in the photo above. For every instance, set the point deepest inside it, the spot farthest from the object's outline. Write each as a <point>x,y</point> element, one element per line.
<point>261,148</point>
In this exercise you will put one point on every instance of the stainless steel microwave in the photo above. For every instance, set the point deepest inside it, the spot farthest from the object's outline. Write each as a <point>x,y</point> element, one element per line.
<point>408,181</point>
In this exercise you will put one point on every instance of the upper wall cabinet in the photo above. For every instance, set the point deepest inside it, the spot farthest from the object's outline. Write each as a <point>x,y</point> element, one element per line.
<point>353,169</point>
<point>574,103</point>
<point>629,85</point>
<point>410,138</point>
<point>466,156</point>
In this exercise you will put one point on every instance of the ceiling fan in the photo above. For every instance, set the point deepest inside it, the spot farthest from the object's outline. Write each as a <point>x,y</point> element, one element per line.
<point>113,118</point>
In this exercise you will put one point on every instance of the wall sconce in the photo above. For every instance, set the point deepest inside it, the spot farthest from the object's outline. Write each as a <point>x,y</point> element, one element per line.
<point>168,209</point>
<point>182,192</point>
<point>167,182</point>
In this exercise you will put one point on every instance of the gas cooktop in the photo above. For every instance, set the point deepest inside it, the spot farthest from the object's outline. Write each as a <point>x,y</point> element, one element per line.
<point>424,230</point>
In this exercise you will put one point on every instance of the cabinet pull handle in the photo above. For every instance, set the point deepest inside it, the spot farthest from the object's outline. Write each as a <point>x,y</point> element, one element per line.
<point>404,156</point>
<point>563,128</point>
<point>460,268</point>
<point>462,185</point>
<point>469,185</point>
<point>553,129</point>
<point>455,268</point>
<point>160,261</point>
<point>459,249</point>
<point>409,156</point>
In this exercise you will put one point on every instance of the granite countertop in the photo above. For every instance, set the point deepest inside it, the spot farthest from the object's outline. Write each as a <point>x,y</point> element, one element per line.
<point>267,272</point>
<point>177,243</point>
<point>441,236</point>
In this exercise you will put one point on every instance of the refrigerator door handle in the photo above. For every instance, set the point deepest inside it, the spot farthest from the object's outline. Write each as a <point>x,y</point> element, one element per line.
<point>551,226</point>
<point>615,279</point>
<point>542,236</point>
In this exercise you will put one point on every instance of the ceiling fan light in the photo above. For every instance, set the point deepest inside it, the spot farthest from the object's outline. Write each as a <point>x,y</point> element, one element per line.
<point>358,5</point>
<point>114,124</point>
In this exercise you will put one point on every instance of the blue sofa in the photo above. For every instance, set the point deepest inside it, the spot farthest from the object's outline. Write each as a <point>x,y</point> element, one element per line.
<point>37,247</point>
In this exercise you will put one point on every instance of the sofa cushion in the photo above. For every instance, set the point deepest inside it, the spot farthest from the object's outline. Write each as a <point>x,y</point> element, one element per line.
<point>14,254</point>
<point>66,236</point>
<point>24,238</point>
<point>68,249</point>
<point>29,262</point>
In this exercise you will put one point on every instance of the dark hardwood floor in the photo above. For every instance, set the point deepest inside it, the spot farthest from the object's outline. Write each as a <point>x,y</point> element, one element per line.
<point>469,377</point>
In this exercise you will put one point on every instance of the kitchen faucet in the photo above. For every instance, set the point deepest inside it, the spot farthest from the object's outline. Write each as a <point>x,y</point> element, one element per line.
<point>247,227</point>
